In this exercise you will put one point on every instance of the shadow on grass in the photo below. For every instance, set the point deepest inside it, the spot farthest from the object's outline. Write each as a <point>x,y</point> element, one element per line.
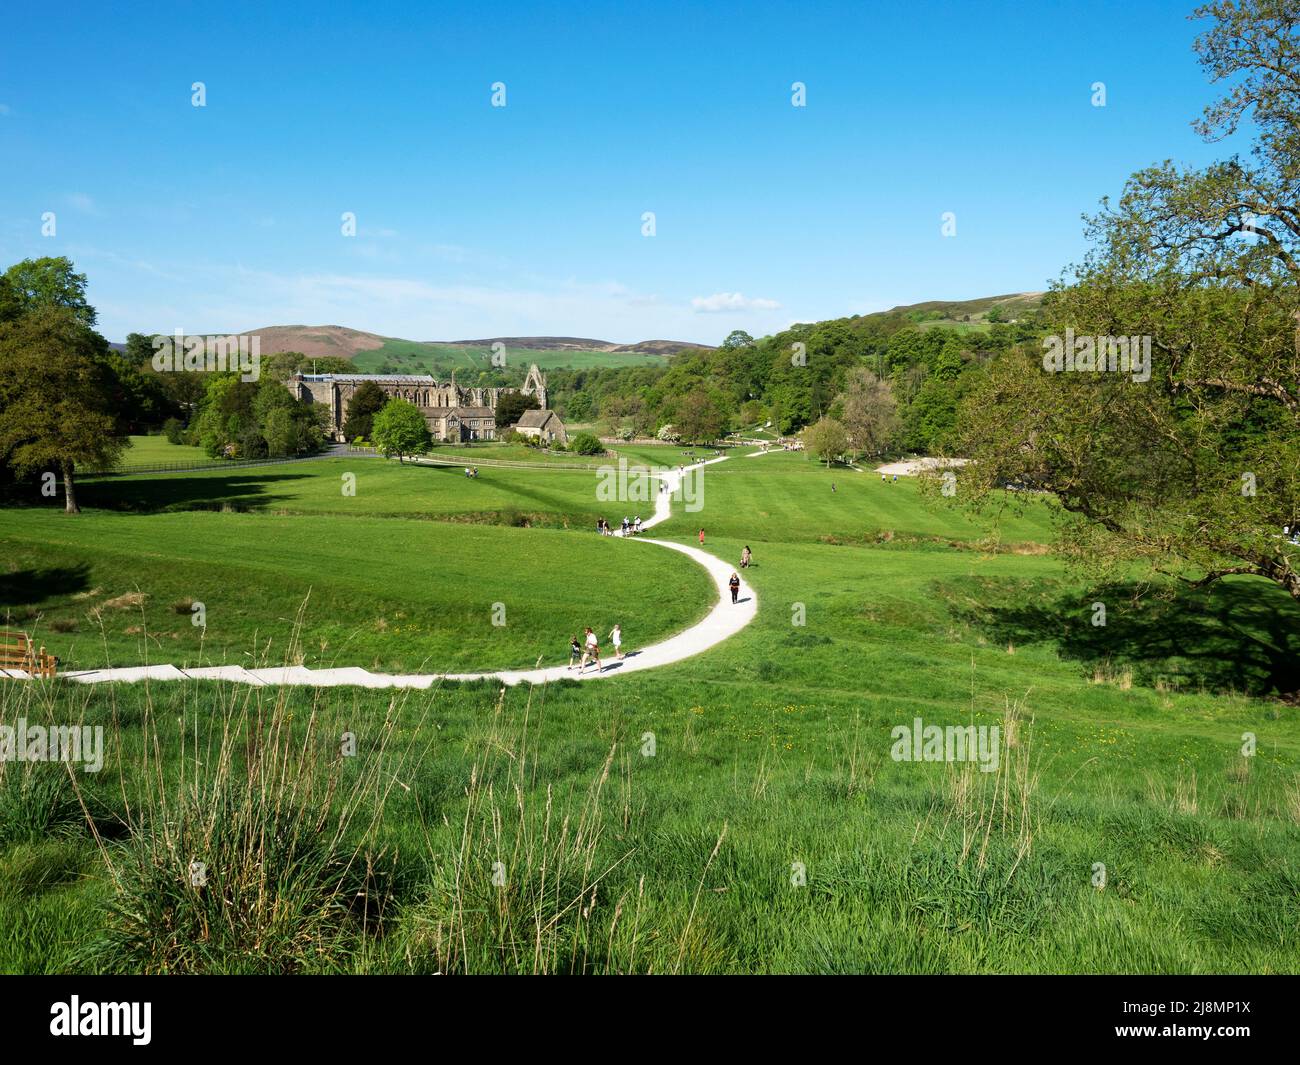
<point>1241,636</point>
<point>28,587</point>
<point>242,491</point>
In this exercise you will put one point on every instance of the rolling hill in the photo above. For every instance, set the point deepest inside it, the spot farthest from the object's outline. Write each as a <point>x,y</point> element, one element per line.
<point>372,353</point>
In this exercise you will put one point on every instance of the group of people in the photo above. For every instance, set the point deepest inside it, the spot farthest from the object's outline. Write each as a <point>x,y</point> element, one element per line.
<point>588,649</point>
<point>471,472</point>
<point>628,527</point>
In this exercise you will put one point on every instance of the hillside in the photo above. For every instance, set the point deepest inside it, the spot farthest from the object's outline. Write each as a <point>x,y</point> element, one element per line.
<point>974,311</point>
<point>318,341</point>
<point>337,341</point>
<point>644,347</point>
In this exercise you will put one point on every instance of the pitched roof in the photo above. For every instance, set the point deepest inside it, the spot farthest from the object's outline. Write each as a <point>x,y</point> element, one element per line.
<point>536,419</point>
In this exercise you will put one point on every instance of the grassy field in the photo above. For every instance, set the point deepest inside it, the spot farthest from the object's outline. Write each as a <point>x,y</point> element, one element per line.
<point>380,588</point>
<point>383,488</point>
<point>495,450</point>
<point>157,450</point>
<point>408,356</point>
<point>787,496</point>
<point>738,811</point>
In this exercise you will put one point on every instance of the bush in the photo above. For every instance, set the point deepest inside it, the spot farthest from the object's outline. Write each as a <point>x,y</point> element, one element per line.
<point>173,430</point>
<point>587,444</point>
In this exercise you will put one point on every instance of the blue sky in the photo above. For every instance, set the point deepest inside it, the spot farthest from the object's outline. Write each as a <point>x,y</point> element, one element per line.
<point>477,221</point>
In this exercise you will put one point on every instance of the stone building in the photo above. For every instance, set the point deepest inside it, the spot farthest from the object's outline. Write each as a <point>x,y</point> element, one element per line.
<point>545,425</point>
<point>453,413</point>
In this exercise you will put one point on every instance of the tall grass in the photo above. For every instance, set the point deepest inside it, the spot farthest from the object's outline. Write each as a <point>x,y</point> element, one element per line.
<point>250,839</point>
<point>522,890</point>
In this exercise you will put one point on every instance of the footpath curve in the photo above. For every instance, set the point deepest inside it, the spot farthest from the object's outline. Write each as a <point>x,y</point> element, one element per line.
<point>721,622</point>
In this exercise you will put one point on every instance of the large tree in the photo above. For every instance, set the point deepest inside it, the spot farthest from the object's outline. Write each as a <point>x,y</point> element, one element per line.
<point>699,418</point>
<point>869,412</point>
<point>367,401</point>
<point>1191,464</point>
<point>511,407</point>
<point>50,282</point>
<point>827,439</point>
<point>400,429</point>
<point>56,397</point>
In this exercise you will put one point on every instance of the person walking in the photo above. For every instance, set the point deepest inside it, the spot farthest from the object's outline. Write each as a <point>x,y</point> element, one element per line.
<point>591,650</point>
<point>701,537</point>
<point>735,586</point>
<point>575,651</point>
<point>745,557</point>
<point>616,638</point>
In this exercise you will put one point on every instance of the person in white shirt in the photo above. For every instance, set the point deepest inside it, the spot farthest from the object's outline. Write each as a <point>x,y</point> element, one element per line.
<point>616,637</point>
<point>591,650</point>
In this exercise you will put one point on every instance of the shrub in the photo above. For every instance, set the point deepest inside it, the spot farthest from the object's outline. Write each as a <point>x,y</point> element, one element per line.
<point>173,430</point>
<point>587,444</point>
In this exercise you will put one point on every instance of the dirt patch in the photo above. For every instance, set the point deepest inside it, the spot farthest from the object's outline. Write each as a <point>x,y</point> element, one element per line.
<point>911,467</point>
<point>128,601</point>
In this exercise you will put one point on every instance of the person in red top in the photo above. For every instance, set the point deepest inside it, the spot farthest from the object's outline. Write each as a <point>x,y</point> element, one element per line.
<point>701,537</point>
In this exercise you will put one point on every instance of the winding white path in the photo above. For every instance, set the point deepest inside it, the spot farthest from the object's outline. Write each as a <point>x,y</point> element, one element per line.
<point>724,620</point>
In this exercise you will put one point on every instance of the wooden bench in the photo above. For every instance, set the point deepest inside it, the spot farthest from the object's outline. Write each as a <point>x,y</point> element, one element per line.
<point>18,652</point>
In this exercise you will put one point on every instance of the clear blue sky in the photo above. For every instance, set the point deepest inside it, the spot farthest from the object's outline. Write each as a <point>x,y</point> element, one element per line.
<point>477,221</point>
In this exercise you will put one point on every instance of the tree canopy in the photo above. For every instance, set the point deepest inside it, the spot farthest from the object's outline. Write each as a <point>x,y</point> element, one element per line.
<point>400,429</point>
<point>56,397</point>
<point>1190,464</point>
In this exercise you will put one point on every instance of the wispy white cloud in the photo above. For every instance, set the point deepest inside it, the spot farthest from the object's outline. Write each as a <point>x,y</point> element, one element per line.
<point>82,202</point>
<point>407,300</point>
<point>721,302</point>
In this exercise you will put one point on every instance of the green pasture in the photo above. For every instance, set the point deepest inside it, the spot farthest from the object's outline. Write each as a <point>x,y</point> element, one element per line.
<point>739,811</point>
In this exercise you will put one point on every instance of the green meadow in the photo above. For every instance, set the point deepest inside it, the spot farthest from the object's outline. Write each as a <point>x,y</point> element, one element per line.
<point>376,584</point>
<point>739,811</point>
<point>158,450</point>
<point>410,356</point>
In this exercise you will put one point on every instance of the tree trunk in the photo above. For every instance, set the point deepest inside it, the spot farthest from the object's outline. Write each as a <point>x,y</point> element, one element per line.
<point>69,491</point>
